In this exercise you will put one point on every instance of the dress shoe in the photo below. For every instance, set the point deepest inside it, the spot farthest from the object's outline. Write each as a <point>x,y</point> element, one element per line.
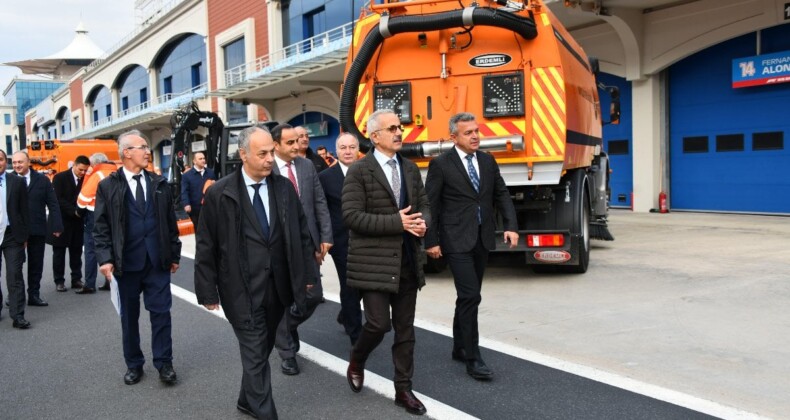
<point>407,400</point>
<point>36,301</point>
<point>60,287</point>
<point>86,291</point>
<point>245,409</point>
<point>459,355</point>
<point>289,366</point>
<point>478,370</point>
<point>21,323</point>
<point>355,375</point>
<point>133,376</point>
<point>167,374</point>
<point>77,284</point>
<point>105,286</point>
<point>340,319</point>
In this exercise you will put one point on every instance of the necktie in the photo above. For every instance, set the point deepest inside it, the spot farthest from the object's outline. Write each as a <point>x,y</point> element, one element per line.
<point>139,195</point>
<point>260,211</point>
<point>475,180</point>
<point>395,179</point>
<point>292,177</point>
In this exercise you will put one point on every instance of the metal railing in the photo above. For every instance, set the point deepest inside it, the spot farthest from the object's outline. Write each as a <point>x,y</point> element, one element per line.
<point>316,46</point>
<point>165,103</point>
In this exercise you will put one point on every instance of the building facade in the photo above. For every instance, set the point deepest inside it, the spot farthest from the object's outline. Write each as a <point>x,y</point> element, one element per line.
<point>687,129</point>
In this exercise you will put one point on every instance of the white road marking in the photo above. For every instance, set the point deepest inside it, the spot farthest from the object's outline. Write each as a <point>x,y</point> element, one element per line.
<point>378,384</point>
<point>643,388</point>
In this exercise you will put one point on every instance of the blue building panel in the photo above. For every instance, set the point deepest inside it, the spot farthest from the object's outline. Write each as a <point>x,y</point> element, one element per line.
<point>618,142</point>
<point>728,146</point>
<point>333,129</point>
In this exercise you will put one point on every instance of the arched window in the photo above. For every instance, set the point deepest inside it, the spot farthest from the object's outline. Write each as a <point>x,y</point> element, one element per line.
<point>133,88</point>
<point>102,104</point>
<point>181,65</point>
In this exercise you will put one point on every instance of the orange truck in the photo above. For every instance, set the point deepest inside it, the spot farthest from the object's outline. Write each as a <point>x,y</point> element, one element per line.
<point>53,156</point>
<point>532,89</point>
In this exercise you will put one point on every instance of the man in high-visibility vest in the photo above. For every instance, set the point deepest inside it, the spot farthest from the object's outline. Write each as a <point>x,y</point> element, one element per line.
<point>101,167</point>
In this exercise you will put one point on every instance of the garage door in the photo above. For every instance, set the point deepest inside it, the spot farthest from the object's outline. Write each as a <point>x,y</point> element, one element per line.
<point>728,146</point>
<point>617,142</point>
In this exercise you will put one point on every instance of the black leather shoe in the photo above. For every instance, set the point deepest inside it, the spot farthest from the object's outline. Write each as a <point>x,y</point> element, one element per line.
<point>245,410</point>
<point>355,375</point>
<point>86,291</point>
<point>289,366</point>
<point>21,323</point>
<point>478,370</point>
<point>167,374</point>
<point>36,301</point>
<point>77,284</point>
<point>105,287</point>
<point>407,400</point>
<point>133,376</point>
<point>459,355</point>
<point>339,318</point>
<point>60,287</point>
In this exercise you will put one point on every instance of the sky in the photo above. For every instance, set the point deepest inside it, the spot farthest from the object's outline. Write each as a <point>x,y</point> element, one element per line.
<point>39,28</point>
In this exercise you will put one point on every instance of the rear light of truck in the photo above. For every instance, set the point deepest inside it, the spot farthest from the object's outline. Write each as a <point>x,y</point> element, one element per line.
<point>545,240</point>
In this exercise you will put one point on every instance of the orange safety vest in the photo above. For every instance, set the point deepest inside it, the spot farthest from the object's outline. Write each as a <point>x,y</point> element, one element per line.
<point>87,197</point>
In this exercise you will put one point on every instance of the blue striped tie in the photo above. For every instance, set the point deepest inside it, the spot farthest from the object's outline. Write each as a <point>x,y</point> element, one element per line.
<point>475,181</point>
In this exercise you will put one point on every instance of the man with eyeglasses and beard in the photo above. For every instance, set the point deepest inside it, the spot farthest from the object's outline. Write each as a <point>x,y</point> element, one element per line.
<point>386,210</point>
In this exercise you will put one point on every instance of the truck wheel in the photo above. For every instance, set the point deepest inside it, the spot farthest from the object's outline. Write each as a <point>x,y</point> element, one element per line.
<point>581,223</point>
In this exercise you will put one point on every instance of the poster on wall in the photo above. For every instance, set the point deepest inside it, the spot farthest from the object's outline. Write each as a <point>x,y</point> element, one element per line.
<point>761,70</point>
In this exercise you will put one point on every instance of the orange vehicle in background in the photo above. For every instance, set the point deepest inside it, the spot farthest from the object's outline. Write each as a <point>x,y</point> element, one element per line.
<point>534,92</point>
<point>50,157</point>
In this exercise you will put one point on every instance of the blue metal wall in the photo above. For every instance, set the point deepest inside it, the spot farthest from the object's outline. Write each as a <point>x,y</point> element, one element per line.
<point>333,130</point>
<point>619,137</point>
<point>703,105</point>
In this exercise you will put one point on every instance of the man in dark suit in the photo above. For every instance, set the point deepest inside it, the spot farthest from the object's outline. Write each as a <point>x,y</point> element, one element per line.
<point>192,186</point>
<point>386,211</point>
<point>255,256</point>
<point>464,186</point>
<point>306,152</point>
<point>67,187</point>
<point>14,224</point>
<point>41,197</point>
<point>304,179</point>
<point>136,240</point>
<point>347,147</point>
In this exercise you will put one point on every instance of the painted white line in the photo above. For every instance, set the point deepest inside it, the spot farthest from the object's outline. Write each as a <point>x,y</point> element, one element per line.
<point>378,384</point>
<point>633,385</point>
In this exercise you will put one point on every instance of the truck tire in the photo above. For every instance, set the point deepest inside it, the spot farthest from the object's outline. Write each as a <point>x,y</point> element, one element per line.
<point>580,223</point>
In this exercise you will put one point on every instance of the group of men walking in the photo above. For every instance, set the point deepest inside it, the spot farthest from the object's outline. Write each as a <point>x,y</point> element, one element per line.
<point>262,234</point>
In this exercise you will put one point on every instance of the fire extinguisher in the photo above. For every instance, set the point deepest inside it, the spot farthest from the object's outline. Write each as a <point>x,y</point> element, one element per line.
<point>662,202</point>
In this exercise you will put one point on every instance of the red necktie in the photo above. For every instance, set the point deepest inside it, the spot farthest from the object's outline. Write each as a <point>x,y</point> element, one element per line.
<point>292,177</point>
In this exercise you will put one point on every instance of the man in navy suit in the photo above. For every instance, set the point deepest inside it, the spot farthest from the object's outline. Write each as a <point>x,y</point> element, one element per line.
<point>41,197</point>
<point>192,183</point>
<point>347,147</point>
<point>137,241</point>
<point>304,179</point>
<point>14,222</point>
<point>67,185</point>
<point>463,186</point>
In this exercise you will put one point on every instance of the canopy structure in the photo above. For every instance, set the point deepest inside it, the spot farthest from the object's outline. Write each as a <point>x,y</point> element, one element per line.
<point>79,53</point>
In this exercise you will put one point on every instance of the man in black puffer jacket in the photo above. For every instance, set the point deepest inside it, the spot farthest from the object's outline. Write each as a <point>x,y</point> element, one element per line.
<point>386,210</point>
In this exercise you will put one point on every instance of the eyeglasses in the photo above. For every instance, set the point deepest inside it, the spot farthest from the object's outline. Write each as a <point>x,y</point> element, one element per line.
<point>143,148</point>
<point>392,129</point>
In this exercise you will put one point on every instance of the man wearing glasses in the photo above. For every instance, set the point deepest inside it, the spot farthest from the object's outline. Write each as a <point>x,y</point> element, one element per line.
<point>386,210</point>
<point>306,152</point>
<point>137,242</point>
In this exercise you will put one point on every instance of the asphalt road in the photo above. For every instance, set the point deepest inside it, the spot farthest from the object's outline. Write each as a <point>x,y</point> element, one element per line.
<point>70,366</point>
